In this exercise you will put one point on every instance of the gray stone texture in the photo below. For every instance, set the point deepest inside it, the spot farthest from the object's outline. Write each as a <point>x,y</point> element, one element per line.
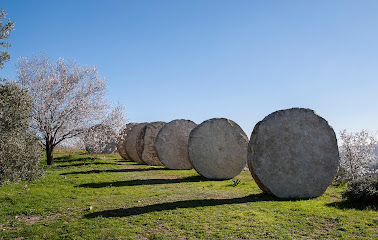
<point>135,141</point>
<point>218,148</point>
<point>149,154</point>
<point>293,153</point>
<point>100,139</point>
<point>172,144</point>
<point>121,140</point>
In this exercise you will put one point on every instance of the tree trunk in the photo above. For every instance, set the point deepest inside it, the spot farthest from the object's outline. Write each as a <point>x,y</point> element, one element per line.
<point>49,153</point>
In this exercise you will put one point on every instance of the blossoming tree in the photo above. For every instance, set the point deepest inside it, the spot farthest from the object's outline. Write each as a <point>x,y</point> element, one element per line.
<point>67,99</point>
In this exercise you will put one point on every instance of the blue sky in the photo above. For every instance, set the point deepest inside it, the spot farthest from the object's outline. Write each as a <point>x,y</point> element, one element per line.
<point>197,60</point>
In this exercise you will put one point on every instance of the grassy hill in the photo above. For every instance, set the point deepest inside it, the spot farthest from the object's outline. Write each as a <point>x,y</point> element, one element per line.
<point>104,197</point>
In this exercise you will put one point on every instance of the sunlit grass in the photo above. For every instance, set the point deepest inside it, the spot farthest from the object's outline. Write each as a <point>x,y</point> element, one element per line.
<point>104,197</point>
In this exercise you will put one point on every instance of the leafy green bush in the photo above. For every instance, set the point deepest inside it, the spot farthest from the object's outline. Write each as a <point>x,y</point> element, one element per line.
<point>20,158</point>
<point>363,189</point>
<point>20,151</point>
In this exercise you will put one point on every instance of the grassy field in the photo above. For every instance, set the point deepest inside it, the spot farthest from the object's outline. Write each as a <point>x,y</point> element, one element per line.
<point>104,197</point>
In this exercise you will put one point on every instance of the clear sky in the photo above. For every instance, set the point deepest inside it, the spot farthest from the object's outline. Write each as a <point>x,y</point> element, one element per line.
<point>201,59</point>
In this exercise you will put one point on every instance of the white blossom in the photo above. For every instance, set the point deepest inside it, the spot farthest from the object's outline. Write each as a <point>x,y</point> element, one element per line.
<point>358,151</point>
<point>67,98</point>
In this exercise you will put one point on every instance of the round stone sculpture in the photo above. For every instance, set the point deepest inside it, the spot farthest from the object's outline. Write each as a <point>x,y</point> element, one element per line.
<point>134,142</point>
<point>172,144</point>
<point>100,139</point>
<point>218,148</point>
<point>121,140</point>
<point>149,154</point>
<point>293,153</point>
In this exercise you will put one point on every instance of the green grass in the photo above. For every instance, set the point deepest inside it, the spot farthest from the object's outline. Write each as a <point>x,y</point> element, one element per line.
<point>104,197</point>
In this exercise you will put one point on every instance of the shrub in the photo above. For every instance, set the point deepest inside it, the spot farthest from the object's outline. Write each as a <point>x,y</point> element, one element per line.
<point>20,151</point>
<point>20,158</point>
<point>358,160</point>
<point>363,189</point>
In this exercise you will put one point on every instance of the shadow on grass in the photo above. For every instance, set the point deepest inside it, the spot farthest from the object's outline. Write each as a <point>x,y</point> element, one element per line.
<point>123,160</point>
<point>138,164</point>
<point>346,204</point>
<point>116,170</point>
<point>68,158</point>
<point>125,212</point>
<point>86,164</point>
<point>143,182</point>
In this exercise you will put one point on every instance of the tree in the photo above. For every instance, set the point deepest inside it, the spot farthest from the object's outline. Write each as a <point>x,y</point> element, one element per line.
<point>67,98</point>
<point>20,151</point>
<point>357,152</point>
<point>4,34</point>
<point>102,138</point>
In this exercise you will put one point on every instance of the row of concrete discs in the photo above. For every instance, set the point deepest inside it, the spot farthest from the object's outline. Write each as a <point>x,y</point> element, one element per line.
<point>216,148</point>
<point>292,153</point>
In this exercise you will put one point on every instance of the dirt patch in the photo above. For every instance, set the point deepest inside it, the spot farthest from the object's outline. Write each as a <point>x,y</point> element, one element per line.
<point>3,227</point>
<point>30,220</point>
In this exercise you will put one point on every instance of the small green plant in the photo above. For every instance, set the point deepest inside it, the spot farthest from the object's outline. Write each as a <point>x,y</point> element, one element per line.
<point>235,182</point>
<point>340,179</point>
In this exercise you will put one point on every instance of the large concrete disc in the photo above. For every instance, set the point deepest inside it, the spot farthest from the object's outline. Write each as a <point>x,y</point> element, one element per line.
<point>134,142</point>
<point>149,154</point>
<point>172,144</point>
<point>218,148</point>
<point>293,153</point>
<point>100,139</point>
<point>121,140</point>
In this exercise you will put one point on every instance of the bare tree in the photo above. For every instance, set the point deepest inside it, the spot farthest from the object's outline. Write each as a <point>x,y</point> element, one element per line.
<point>67,98</point>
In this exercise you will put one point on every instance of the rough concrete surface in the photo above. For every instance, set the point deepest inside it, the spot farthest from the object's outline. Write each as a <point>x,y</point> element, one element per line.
<point>172,144</point>
<point>100,139</point>
<point>149,154</point>
<point>121,140</point>
<point>134,142</point>
<point>218,148</point>
<point>293,153</point>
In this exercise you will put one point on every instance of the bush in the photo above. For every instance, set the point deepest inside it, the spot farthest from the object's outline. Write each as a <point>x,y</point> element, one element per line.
<point>20,158</point>
<point>20,151</point>
<point>363,189</point>
<point>358,160</point>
